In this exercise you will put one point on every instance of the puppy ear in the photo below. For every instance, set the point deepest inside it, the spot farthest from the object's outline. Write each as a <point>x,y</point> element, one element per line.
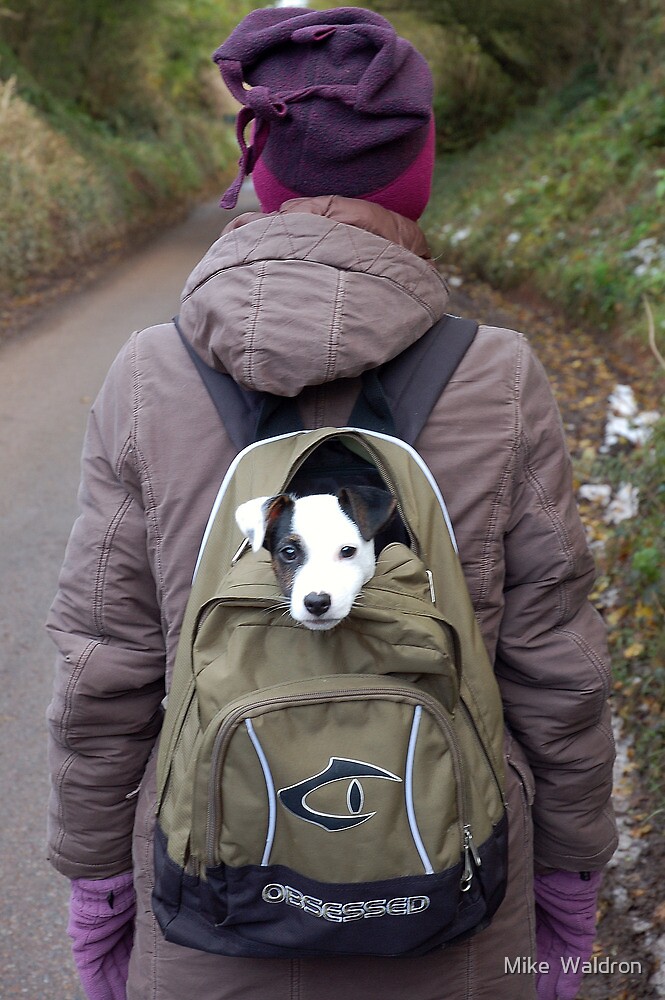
<point>370,508</point>
<point>250,518</point>
<point>255,517</point>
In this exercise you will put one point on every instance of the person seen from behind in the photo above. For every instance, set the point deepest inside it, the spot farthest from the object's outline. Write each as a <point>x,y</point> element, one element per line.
<point>291,300</point>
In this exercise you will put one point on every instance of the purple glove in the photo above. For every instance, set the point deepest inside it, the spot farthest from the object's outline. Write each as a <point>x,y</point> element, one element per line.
<point>565,930</point>
<point>101,926</point>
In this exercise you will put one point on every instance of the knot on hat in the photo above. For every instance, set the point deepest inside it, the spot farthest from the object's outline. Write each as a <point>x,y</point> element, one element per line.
<point>263,104</point>
<point>260,104</point>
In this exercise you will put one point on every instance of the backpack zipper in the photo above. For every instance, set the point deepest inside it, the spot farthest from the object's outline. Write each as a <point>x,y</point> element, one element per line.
<point>378,465</point>
<point>230,723</point>
<point>470,851</point>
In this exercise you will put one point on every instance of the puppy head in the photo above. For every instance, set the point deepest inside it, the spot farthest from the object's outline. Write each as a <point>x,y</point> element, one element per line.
<point>322,547</point>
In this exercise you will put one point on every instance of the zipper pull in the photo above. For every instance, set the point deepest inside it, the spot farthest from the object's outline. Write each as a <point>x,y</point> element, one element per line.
<point>469,842</point>
<point>469,853</point>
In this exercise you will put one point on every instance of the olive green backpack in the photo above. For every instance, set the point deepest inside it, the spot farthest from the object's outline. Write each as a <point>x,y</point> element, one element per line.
<point>330,792</point>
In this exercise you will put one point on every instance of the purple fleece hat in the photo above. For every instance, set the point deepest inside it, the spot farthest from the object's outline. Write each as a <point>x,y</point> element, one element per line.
<point>340,103</point>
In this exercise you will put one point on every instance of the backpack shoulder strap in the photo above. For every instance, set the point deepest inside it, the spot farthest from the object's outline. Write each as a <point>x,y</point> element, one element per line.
<point>397,397</point>
<point>413,381</point>
<point>239,409</point>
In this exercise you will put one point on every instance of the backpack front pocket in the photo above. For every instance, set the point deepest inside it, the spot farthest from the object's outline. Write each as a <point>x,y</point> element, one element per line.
<point>313,775</point>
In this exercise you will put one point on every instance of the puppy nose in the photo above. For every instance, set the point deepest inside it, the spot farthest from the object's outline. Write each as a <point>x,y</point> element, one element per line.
<point>317,604</point>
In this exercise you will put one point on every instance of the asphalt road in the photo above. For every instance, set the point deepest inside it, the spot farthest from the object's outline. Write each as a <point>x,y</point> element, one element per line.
<point>48,379</point>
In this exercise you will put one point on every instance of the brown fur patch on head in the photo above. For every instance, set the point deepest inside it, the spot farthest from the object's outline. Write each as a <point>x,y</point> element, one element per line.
<point>285,570</point>
<point>278,511</point>
<point>284,545</point>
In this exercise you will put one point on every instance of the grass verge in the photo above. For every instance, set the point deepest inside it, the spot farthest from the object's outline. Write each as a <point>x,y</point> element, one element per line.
<point>568,201</point>
<point>74,187</point>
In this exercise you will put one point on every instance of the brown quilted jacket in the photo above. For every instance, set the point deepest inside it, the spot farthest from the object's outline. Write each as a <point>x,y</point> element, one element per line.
<point>300,303</point>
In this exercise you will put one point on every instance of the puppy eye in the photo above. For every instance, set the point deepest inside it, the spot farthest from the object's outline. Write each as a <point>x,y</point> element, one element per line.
<point>288,553</point>
<point>348,552</point>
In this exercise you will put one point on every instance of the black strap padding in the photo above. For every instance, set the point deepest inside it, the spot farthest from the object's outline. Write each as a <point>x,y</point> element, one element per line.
<point>414,380</point>
<point>239,409</point>
<point>277,415</point>
<point>396,398</point>
<point>372,411</point>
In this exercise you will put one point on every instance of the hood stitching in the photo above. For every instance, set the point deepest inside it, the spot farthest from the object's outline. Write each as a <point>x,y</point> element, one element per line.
<point>381,254</point>
<point>362,264</point>
<point>350,237</point>
<point>259,236</point>
<point>253,317</point>
<point>423,280</point>
<point>284,232</point>
<point>322,239</point>
<point>336,326</point>
<point>421,276</point>
<point>270,222</point>
<point>409,289</point>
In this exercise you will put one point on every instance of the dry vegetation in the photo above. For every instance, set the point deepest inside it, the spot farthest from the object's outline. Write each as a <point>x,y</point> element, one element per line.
<point>56,204</point>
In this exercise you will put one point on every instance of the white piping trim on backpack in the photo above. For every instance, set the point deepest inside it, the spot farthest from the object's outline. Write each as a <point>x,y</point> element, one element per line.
<point>408,791</point>
<point>223,488</point>
<point>270,788</point>
<point>384,437</point>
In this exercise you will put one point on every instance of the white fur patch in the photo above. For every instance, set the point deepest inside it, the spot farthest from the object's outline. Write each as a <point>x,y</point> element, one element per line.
<point>325,530</point>
<point>250,518</point>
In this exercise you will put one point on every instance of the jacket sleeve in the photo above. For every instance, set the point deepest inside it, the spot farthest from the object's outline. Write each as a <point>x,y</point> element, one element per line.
<point>105,711</point>
<point>553,665</point>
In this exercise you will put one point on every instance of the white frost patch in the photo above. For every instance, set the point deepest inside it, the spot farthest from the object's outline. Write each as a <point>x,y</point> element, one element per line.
<point>625,423</point>
<point>461,234</point>
<point>621,506</point>
<point>595,493</point>
<point>624,505</point>
<point>630,847</point>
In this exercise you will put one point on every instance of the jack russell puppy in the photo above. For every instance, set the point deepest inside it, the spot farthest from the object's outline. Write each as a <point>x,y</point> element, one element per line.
<point>322,547</point>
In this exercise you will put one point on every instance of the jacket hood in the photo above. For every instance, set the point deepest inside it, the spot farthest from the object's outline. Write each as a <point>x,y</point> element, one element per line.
<point>321,290</point>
